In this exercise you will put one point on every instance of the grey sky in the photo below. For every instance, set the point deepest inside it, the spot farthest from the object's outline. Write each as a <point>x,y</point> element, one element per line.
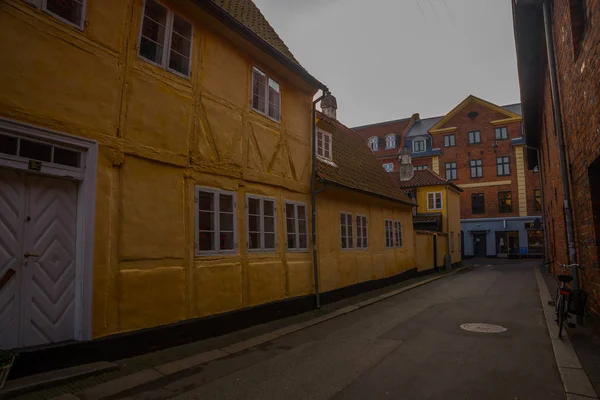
<point>387,59</point>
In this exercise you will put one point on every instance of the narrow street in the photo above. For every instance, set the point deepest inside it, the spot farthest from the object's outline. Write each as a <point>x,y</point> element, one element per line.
<point>409,346</point>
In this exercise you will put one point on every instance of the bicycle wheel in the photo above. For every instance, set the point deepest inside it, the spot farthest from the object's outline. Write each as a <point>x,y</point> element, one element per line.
<point>561,315</point>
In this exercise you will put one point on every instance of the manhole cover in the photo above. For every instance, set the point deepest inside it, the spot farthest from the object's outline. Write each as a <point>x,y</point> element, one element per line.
<point>483,328</point>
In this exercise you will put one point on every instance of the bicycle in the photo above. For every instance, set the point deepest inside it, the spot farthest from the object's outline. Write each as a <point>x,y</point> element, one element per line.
<point>563,295</point>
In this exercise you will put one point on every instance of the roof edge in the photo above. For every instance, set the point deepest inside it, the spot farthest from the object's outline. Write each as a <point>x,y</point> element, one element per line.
<point>381,123</point>
<point>325,180</point>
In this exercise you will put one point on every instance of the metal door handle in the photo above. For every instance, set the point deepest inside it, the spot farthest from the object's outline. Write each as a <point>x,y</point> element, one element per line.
<point>28,254</point>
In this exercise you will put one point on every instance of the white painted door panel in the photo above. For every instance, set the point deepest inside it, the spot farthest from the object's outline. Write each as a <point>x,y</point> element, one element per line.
<point>12,203</point>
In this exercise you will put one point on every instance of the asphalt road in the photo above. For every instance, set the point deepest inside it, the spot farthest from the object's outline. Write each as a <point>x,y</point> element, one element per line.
<point>409,346</point>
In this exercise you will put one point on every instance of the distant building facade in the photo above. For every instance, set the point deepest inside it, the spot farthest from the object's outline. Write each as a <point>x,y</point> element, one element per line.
<point>479,147</point>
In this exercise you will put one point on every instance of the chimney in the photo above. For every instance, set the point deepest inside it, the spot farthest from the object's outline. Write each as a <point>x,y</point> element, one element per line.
<point>416,117</point>
<point>329,106</point>
<point>406,169</point>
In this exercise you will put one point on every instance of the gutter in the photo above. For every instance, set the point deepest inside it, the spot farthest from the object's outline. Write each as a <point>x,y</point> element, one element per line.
<point>561,142</point>
<point>313,197</point>
<point>334,183</point>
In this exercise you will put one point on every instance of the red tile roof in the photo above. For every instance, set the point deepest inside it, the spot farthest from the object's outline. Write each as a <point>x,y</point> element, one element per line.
<point>424,177</point>
<point>355,167</point>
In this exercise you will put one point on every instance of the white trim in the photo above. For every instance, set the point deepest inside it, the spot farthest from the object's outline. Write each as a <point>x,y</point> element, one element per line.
<point>216,221</point>
<point>265,112</point>
<point>424,145</point>
<point>373,140</point>
<point>164,62</point>
<point>261,206</point>
<point>324,134</point>
<point>42,5</point>
<point>390,135</point>
<point>385,230</point>
<point>435,194</point>
<point>398,234</point>
<point>351,236</point>
<point>86,203</point>
<point>362,247</point>
<point>391,165</point>
<point>295,204</point>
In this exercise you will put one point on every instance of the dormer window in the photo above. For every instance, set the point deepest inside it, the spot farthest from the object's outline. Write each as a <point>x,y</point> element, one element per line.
<point>390,141</point>
<point>374,143</point>
<point>418,146</point>
<point>324,148</point>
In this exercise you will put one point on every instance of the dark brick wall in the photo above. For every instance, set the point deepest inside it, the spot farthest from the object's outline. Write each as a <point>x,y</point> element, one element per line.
<point>578,63</point>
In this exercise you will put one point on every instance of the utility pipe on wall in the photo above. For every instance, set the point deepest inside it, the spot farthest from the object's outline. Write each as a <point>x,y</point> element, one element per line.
<point>313,197</point>
<point>561,141</point>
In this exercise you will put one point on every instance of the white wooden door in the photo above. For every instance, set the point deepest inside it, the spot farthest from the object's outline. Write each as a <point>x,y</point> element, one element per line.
<point>40,238</point>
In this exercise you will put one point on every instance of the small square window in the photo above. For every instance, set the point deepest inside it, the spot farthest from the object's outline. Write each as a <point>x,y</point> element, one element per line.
<point>266,95</point>
<point>419,146</point>
<point>421,167</point>
<point>390,141</point>
<point>324,145</point>
<point>434,201</point>
<point>389,167</point>
<point>501,133</point>
<point>449,141</point>
<point>474,137</point>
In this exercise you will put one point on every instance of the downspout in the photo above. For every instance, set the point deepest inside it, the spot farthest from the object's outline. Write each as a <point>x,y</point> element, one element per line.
<point>561,142</point>
<point>313,197</point>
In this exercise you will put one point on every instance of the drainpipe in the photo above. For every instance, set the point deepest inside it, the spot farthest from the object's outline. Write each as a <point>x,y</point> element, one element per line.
<point>561,142</point>
<point>313,197</point>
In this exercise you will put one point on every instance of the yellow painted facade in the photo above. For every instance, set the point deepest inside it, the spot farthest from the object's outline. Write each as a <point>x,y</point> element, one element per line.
<point>450,216</point>
<point>343,267</point>
<point>521,180</point>
<point>160,136</point>
<point>435,164</point>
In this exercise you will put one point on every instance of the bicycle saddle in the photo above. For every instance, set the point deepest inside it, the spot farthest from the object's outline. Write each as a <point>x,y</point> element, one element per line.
<point>564,278</point>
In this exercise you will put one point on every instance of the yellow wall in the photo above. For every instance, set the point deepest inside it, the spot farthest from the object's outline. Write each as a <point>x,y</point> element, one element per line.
<point>424,250</point>
<point>521,180</point>
<point>342,267</point>
<point>450,214</point>
<point>160,135</point>
<point>435,164</point>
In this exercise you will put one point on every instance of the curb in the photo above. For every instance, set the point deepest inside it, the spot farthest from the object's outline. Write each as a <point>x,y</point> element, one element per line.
<point>575,381</point>
<point>152,375</point>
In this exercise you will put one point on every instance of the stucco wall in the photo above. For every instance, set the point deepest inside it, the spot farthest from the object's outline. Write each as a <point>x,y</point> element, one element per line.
<point>342,267</point>
<point>160,135</point>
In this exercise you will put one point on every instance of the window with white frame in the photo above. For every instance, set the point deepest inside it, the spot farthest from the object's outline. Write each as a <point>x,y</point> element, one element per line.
<point>398,233</point>
<point>419,146</point>
<point>266,95</point>
<point>166,38</point>
<point>474,137</point>
<point>389,233</point>
<point>324,144</point>
<point>374,143</point>
<point>421,167</point>
<point>434,200</point>
<point>501,133</point>
<point>362,241</point>
<point>215,221</point>
<point>390,141</point>
<point>449,141</point>
<point>502,165</point>
<point>389,167</point>
<point>69,11</point>
<point>296,230</point>
<point>346,231</point>
<point>260,213</point>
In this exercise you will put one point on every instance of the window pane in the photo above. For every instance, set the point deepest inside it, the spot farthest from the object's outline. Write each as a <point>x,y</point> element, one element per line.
<point>269,240</point>
<point>291,241</point>
<point>344,243</point>
<point>254,223</point>
<point>273,99</point>
<point>206,241</point>
<point>226,222</point>
<point>71,10</point>
<point>303,242</point>
<point>269,207</point>
<point>254,206</point>
<point>206,221</point>
<point>225,203</point>
<point>153,31</point>
<point>291,225</point>
<point>301,212</point>
<point>35,150</point>
<point>254,240</point>
<point>259,90</point>
<point>8,144</point>
<point>66,157</point>
<point>302,226</point>
<point>205,200</point>
<point>269,224</point>
<point>358,242</point>
<point>151,50</point>
<point>179,63</point>
<point>226,241</point>
<point>289,211</point>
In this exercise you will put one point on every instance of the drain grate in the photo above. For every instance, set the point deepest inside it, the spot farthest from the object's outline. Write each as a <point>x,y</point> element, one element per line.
<point>483,328</point>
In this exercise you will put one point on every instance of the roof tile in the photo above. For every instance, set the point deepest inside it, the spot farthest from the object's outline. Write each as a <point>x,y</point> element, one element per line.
<point>423,177</point>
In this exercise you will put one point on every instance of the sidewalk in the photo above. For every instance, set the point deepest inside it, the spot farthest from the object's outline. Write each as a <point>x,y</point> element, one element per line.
<point>584,340</point>
<point>151,360</point>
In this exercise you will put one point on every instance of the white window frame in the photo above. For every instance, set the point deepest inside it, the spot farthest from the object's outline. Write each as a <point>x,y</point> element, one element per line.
<point>261,211</point>
<point>295,204</point>
<point>503,130</point>
<point>419,141</point>
<point>216,221</point>
<point>389,233</point>
<point>389,167</point>
<point>391,136</point>
<point>435,195</point>
<point>421,167</point>
<point>268,78</point>
<point>323,134</point>
<point>374,143</point>
<point>164,62</point>
<point>349,232</point>
<point>398,239</point>
<point>42,5</point>
<point>504,166</point>
<point>362,218</point>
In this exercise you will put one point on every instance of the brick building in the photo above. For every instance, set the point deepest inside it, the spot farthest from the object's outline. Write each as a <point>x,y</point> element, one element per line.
<point>559,73</point>
<point>479,147</point>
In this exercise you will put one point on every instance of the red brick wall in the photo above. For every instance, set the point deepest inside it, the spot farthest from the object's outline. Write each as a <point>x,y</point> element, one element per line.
<point>579,85</point>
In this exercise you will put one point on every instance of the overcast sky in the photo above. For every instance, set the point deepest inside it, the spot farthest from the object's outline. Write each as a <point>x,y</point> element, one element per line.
<point>387,59</point>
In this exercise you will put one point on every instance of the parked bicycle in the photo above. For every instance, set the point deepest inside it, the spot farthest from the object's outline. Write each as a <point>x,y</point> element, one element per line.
<point>563,297</point>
